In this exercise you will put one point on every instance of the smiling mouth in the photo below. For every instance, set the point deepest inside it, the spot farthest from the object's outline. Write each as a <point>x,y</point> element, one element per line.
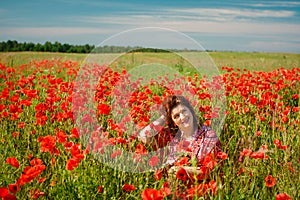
<point>185,121</point>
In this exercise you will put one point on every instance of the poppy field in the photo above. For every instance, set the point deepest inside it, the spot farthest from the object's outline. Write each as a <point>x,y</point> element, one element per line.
<point>46,154</point>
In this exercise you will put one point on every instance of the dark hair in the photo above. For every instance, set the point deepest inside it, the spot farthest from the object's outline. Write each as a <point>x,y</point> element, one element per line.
<point>169,104</point>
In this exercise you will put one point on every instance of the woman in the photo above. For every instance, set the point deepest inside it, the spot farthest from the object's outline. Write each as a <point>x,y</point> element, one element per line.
<point>184,136</point>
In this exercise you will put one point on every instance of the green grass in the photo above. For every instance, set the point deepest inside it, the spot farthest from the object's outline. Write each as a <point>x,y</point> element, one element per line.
<point>253,61</point>
<point>19,58</point>
<point>256,61</point>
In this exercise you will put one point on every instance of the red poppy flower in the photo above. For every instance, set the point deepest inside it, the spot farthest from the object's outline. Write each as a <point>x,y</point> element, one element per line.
<point>294,109</point>
<point>152,194</point>
<point>128,188</point>
<point>182,175</point>
<point>209,161</point>
<point>36,161</point>
<point>182,161</point>
<point>140,149</point>
<point>207,123</point>
<point>199,190</point>
<point>202,173</point>
<point>252,100</point>
<point>258,133</point>
<point>262,118</point>
<point>166,190</point>
<point>74,133</point>
<point>212,185</point>
<point>10,197</point>
<point>242,170</point>
<point>21,124</point>
<point>5,93</point>
<point>121,140</point>
<point>283,147</point>
<point>100,189</point>
<point>30,173</point>
<point>116,153</point>
<point>47,144</point>
<point>222,155</point>
<point>86,118</point>
<point>283,196</point>
<point>284,119</point>
<point>158,174</point>
<point>14,108</point>
<point>103,109</point>
<point>76,152</point>
<point>72,164</point>
<point>153,161</point>
<point>15,134</point>
<point>277,142</point>
<point>13,162</point>
<point>41,180</point>
<point>291,167</point>
<point>259,155</point>
<point>270,181</point>
<point>295,96</point>
<point>61,136</point>
<point>245,152</point>
<point>264,147</point>
<point>3,192</point>
<point>13,188</point>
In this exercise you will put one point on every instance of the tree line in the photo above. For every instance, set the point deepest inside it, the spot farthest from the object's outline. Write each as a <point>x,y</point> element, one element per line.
<point>14,46</point>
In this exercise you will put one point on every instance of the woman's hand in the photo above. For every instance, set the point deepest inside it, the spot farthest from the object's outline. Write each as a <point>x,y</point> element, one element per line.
<point>191,171</point>
<point>173,170</point>
<point>162,111</point>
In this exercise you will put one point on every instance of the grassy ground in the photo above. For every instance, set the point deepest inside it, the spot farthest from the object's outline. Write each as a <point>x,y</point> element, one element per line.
<point>18,58</point>
<point>249,60</point>
<point>256,61</point>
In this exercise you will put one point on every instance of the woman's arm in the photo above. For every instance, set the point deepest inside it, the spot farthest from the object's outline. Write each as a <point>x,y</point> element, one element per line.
<point>146,134</point>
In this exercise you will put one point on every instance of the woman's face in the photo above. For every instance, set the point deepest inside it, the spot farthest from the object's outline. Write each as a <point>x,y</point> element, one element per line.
<point>182,117</point>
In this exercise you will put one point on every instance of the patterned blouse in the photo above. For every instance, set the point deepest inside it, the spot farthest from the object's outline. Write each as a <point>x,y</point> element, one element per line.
<point>203,142</point>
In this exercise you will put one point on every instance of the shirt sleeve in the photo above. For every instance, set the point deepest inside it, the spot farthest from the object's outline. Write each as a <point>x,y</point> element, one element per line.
<point>151,130</point>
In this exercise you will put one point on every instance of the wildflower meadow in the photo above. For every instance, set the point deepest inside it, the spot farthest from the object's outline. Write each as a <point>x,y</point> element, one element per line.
<point>54,147</point>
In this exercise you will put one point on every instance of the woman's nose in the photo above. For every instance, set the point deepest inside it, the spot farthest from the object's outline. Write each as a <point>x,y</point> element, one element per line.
<point>181,116</point>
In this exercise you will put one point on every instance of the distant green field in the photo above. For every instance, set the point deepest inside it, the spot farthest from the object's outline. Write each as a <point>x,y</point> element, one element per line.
<point>248,60</point>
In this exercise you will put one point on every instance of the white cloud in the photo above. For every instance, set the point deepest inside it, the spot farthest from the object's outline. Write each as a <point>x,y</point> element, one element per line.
<point>182,22</point>
<point>232,13</point>
<point>239,28</point>
<point>194,15</point>
<point>276,4</point>
<point>190,24</point>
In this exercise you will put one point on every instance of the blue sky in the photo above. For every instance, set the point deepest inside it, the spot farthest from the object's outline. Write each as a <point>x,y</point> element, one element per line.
<point>272,26</point>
